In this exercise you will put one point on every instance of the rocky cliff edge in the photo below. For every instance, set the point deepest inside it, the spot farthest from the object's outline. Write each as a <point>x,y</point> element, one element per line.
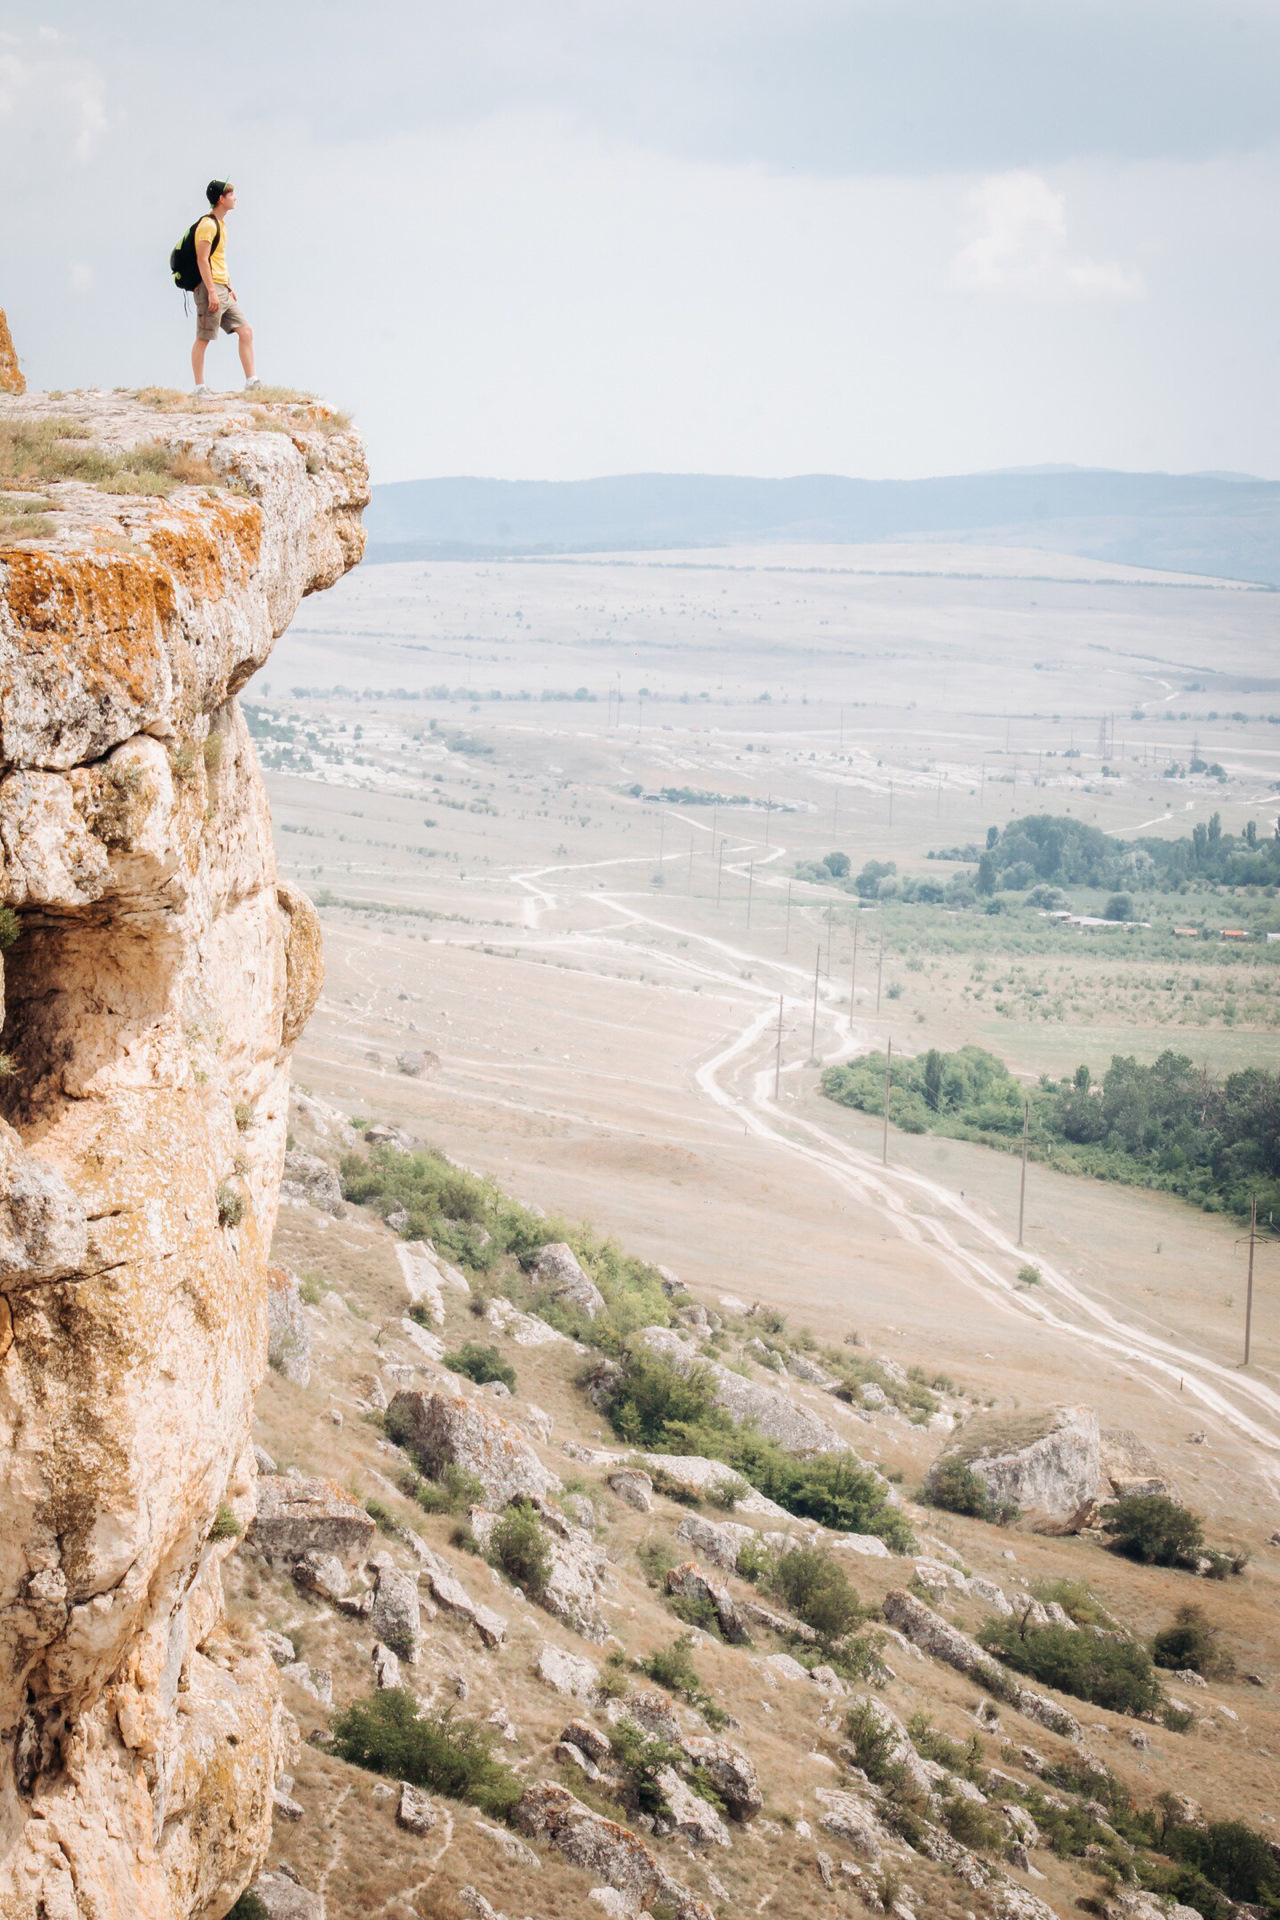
<point>155,976</point>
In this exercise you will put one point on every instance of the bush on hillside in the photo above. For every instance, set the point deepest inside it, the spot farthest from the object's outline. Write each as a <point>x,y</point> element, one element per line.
<point>817,1590</point>
<point>1192,1642</point>
<point>481,1364</point>
<point>1154,1529</point>
<point>956,1488</point>
<point>519,1548</point>
<point>1116,1674</point>
<point>388,1733</point>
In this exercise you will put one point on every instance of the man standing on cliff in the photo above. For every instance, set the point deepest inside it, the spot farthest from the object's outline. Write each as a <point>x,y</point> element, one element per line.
<point>216,304</point>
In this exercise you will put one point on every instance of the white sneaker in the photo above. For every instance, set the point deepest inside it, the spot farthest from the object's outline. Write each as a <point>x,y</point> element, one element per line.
<point>202,393</point>
<point>252,386</point>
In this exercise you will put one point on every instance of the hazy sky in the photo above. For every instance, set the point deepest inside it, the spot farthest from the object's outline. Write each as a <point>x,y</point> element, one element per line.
<point>551,238</point>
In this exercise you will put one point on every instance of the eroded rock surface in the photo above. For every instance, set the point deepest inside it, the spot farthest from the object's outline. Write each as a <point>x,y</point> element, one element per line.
<point>1049,1462</point>
<point>159,978</point>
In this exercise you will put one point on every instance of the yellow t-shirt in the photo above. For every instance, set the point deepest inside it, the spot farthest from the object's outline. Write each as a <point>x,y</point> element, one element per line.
<point>209,229</point>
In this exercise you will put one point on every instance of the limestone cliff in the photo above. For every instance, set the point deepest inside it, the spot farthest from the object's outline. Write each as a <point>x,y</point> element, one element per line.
<point>155,977</point>
<point>11,377</point>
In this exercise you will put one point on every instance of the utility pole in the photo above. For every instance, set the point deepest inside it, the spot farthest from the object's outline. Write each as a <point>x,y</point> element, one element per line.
<point>888,1069</point>
<point>813,1032</point>
<point>831,914</point>
<point>1248,1309</point>
<point>880,972</point>
<point>690,866</point>
<point>777,1057</point>
<point>853,975</point>
<point>751,874</point>
<point>719,874</point>
<point>1022,1191</point>
<point>835,813</point>
<point>786,944</point>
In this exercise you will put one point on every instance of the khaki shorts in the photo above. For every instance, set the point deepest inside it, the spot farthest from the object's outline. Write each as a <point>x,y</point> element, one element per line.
<point>229,316</point>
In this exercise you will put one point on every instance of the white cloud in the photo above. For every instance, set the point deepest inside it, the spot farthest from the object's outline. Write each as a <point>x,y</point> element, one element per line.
<point>1019,245</point>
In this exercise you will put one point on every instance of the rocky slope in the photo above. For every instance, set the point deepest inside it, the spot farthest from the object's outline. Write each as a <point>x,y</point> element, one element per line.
<point>155,977</point>
<point>778,1758</point>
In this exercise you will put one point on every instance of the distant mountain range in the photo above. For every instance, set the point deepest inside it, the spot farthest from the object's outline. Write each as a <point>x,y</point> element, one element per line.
<point>1228,525</point>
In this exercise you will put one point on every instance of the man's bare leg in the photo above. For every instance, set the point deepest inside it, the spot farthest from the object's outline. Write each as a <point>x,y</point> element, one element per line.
<point>244,339</point>
<point>198,352</point>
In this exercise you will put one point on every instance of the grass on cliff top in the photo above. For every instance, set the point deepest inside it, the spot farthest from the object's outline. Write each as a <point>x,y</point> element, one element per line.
<point>38,449</point>
<point>24,518</point>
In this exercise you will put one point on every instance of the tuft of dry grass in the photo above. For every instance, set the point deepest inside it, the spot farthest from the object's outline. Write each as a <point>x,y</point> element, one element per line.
<point>24,518</point>
<point>37,450</point>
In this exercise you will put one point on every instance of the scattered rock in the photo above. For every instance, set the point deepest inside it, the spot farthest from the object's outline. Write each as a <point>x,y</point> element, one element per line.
<point>448,1592</point>
<point>633,1488</point>
<point>874,1398</point>
<point>930,1632</point>
<point>1190,1678</point>
<point>556,1267</point>
<point>1128,1467</point>
<point>577,1572</point>
<point>313,1182</point>
<point>730,1771</point>
<point>322,1573</point>
<point>512,1847</point>
<point>317,1681</point>
<point>826,1870</point>
<point>1131,1903</point>
<point>526,1329</point>
<point>808,1370</point>
<point>1049,1461</point>
<point>870,1545</point>
<point>288,1330</point>
<point>719,1540</point>
<point>474,1903</point>
<point>602,1846</point>
<point>689,1583</point>
<point>415,1812</point>
<point>567,1673</point>
<point>772,1411</point>
<point>279,1646</point>
<point>386,1667</point>
<point>619,1906</point>
<point>297,1515</point>
<point>651,1711</point>
<point>689,1814</point>
<point>394,1614</point>
<point>262,1460</point>
<point>537,1421</point>
<point>1140,1740</point>
<point>785,1666</point>
<point>579,1510</point>
<point>587,1739</point>
<point>416,1064</point>
<point>284,1897</point>
<point>416,1260</point>
<point>284,1807</point>
<point>441,1428</point>
<point>852,1820</point>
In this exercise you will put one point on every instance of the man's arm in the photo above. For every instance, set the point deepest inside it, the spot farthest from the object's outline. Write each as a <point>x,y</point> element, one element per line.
<point>202,262</point>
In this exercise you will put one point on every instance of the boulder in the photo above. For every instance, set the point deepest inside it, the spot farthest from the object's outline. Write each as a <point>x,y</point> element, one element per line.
<point>416,1260</point>
<point>786,1666</point>
<point>386,1668</point>
<point>718,1540</point>
<point>587,1739</point>
<point>283,1896</point>
<point>394,1615</point>
<point>1016,1903</point>
<point>288,1329</point>
<point>1132,1903</point>
<point>297,1515</point>
<point>694,1474</point>
<point>415,1064</point>
<point>1048,1461</point>
<point>769,1620</point>
<point>577,1572</point>
<point>688,1814</point>
<point>633,1488</point>
<point>556,1267</point>
<point>317,1681</point>
<point>416,1813</point>
<point>651,1711</point>
<point>526,1329</point>
<point>567,1673</point>
<point>772,1411</point>
<point>869,1545</point>
<point>848,1818</point>
<point>441,1427</point>
<point>604,1847</point>
<point>689,1583</point>
<point>448,1592</point>
<point>312,1182</point>
<point>731,1773</point>
<point>808,1370</point>
<point>473,1902</point>
<point>509,1844</point>
<point>280,1647</point>
<point>322,1573</point>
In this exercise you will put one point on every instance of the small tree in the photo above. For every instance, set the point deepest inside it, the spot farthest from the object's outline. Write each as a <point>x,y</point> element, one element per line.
<point>1118,907</point>
<point>836,864</point>
<point>519,1548</point>
<point>1192,1642</point>
<point>816,1587</point>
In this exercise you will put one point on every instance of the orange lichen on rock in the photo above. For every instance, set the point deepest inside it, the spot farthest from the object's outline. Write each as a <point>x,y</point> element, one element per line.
<point>11,376</point>
<point>210,547</point>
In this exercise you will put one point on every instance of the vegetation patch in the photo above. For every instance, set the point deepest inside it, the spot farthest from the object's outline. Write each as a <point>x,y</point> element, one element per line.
<point>482,1364</point>
<point>36,450</point>
<point>1107,1672</point>
<point>389,1733</point>
<point>519,1548</point>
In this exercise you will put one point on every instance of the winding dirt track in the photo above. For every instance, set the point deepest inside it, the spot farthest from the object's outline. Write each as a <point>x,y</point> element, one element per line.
<point>739,1077</point>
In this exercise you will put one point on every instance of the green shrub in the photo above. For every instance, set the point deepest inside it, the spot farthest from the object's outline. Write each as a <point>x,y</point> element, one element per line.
<point>225,1524</point>
<point>453,1491</point>
<point>1109,1673</point>
<point>972,1824</point>
<point>656,1557</point>
<point>388,1733</point>
<point>10,927</point>
<point>249,1907</point>
<point>1154,1529</point>
<point>381,1515</point>
<point>231,1205</point>
<point>518,1546</point>
<point>930,1744</point>
<point>873,1744</point>
<point>956,1488</point>
<point>816,1588</point>
<point>672,1667</point>
<point>1192,1642</point>
<point>642,1758</point>
<point>653,1398</point>
<point>1077,1600</point>
<point>1231,1857</point>
<point>481,1364</point>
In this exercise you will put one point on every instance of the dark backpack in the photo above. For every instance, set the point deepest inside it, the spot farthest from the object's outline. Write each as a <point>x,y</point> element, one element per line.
<point>183,264</point>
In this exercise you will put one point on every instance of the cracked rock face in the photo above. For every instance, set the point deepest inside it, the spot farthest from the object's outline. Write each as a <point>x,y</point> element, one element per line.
<point>159,977</point>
